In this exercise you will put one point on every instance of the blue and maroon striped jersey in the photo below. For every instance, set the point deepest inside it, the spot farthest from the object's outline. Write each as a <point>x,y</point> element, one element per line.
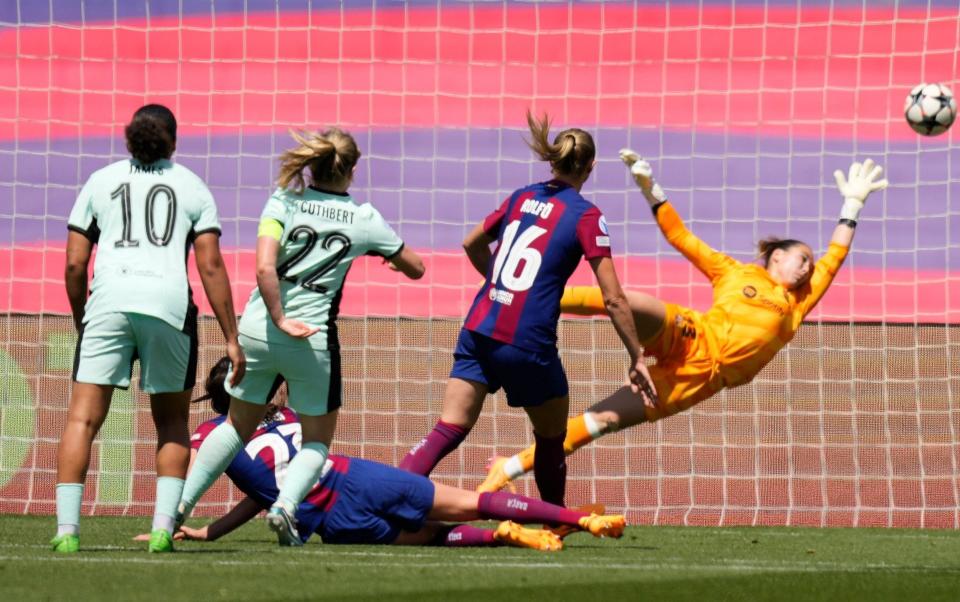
<point>542,231</point>
<point>258,470</point>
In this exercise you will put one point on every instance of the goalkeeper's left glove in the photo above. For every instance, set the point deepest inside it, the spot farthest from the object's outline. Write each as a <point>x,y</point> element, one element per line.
<point>857,186</point>
<point>642,174</point>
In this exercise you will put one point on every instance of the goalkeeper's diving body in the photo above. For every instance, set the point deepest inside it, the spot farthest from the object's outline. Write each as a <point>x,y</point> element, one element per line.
<point>756,310</point>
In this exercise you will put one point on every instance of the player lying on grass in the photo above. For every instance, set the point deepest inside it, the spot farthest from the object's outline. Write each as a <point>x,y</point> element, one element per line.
<point>756,311</point>
<point>362,502</point>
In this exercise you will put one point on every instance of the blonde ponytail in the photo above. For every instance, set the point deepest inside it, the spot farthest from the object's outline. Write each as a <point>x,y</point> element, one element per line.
<point>571,153</point>
<point>330,155</point>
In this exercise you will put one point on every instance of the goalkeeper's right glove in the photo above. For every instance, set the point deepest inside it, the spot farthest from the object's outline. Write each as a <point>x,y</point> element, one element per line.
<point>643,175</point>
<point>857,186</point>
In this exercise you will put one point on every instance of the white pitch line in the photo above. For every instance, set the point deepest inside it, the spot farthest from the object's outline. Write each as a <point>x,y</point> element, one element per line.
<point>646,567</point>
<point>41,546</point>
<point>820,532</point>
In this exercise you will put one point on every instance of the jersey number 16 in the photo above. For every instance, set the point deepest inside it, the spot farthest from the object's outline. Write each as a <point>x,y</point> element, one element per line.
<point>512,250</point>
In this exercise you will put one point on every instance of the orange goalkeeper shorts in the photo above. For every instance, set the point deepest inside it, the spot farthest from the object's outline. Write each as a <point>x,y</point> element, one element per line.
<point>686,371</point>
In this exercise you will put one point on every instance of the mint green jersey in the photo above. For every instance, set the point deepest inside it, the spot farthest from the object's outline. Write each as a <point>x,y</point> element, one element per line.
<point>323,233</point>
<point>143,219</point>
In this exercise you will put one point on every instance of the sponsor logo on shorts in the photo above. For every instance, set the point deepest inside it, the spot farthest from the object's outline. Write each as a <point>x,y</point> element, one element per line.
<point>686,327</point>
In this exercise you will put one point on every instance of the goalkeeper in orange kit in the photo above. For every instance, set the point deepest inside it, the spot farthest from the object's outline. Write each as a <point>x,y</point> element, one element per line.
<point>756,310</point>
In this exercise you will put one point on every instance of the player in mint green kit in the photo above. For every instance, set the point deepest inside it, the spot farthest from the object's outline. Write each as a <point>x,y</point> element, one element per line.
<point>306,241</point>
<point>143,213</point>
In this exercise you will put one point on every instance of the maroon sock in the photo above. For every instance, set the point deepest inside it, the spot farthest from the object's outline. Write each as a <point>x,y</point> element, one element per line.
<point>502,505</point>
<point>550,468</point>
<point>443,439</point>
<point>462,536</point>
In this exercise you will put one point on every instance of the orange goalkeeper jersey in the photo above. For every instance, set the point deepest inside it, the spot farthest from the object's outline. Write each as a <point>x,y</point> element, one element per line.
<point>752,316</point>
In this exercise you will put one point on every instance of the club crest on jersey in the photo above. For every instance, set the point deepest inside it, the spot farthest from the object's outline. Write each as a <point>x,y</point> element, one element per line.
<point>749,292</point>
<point>501,296</point>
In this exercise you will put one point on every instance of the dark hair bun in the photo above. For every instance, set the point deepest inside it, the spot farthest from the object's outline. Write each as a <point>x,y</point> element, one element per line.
<point>219,398</point>
<point>152,134</point>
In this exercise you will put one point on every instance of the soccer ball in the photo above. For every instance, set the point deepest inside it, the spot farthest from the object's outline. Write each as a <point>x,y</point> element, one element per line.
<point>930,109</point>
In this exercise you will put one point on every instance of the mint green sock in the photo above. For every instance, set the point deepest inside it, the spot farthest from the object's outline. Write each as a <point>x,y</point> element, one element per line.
<point>169,490</point>
<point>302,474</point>
<point>69,498</point>
<point>215,454</point>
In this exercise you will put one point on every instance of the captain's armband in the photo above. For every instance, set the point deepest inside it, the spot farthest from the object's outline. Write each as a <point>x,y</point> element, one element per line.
<point>270,227</point>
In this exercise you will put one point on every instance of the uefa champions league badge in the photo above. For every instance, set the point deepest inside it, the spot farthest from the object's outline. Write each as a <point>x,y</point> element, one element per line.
<point>603,241</point>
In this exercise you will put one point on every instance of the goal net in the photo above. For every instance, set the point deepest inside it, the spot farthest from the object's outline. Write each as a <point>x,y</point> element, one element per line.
<point>744,109</point>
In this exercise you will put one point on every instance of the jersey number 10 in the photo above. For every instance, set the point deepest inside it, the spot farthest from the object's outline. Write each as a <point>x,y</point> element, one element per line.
<point>162,239</point>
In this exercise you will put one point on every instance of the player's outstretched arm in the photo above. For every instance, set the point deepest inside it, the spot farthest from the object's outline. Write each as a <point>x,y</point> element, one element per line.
<point>79,250</point>
<point>241,514</point>
<point>712,263</point>
<point>216,284</point>
<point>856,186</point>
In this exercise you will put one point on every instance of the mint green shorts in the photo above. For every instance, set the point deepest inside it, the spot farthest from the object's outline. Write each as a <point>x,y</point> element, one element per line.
<point>312,376</point>
<point>109,344</point>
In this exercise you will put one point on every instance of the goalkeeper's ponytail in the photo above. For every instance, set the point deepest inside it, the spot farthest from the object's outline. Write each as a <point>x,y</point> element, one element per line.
<point>767,246</point>
<point>571,153</point>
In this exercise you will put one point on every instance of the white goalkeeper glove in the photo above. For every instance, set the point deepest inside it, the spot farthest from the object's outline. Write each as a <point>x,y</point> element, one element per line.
<point>643,175</point>
<point>857,186</point>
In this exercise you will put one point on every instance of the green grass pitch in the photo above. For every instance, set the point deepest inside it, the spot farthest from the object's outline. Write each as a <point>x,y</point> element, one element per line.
<point>649,563</point>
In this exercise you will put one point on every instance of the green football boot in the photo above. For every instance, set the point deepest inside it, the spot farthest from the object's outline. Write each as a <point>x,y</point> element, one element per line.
<point>160,541</point>
<point>65,544</point>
